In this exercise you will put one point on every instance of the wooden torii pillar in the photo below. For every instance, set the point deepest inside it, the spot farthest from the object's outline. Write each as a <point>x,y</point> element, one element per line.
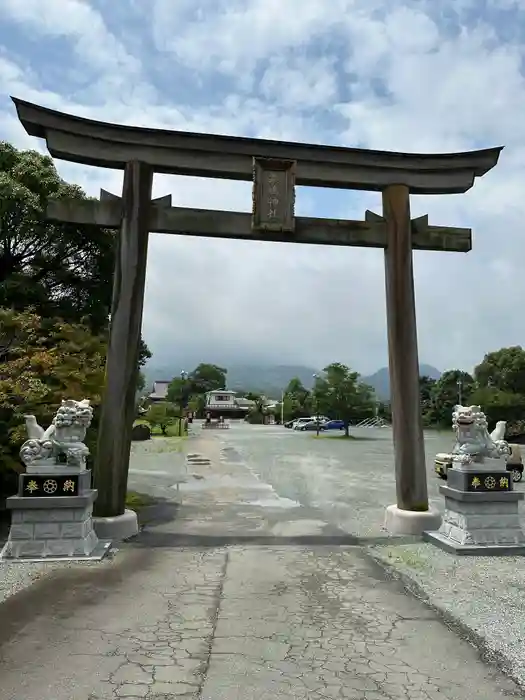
<point>118,402</point>
<point>275,168</point>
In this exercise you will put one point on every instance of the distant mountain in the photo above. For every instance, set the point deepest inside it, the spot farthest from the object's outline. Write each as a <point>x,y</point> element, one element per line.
<point>270,380</point>
<point>380,380</point>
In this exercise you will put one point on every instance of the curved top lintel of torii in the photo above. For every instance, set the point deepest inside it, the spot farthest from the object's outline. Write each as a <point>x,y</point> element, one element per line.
<point>103,144</point>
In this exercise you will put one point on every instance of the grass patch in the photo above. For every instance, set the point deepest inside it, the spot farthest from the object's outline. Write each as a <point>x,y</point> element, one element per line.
<point>136,500</point>
<point>404,557</point>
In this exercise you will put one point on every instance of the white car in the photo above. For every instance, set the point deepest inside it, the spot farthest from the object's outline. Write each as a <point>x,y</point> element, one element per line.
<point>300,422</point>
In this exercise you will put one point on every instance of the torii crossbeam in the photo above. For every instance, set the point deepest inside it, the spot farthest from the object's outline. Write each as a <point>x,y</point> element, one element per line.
<point>275,167</point>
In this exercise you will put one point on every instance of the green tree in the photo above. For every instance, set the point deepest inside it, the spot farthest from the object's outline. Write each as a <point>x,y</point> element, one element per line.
<point>445,394</point>
<point>144,356</point>
<point>255,417</point>
<point>257,414</point>
<point>503,369</point>
<point>297,400</point>
<point>426,387</point>
<point>207,377</point>
<point>179,391</point>
<point>501,405</point>
<point>161,415</point>
<point>197,405</point>
<point>43,361</point>
<point>60,270</point>
<point>341,395</point>
<point>141,382</point>
<point>259,401</point>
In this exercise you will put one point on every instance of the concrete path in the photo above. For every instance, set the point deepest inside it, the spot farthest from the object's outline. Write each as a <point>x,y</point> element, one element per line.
<point>243,623</point>
<point>224,501</point>
<point>160,621</point>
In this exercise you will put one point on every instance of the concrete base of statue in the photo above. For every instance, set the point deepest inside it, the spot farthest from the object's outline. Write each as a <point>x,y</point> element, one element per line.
<point>51,517</point>
<point>408,522</point>
<point>481,515</point>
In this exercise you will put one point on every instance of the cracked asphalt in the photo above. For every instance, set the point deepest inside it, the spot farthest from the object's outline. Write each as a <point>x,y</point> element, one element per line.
<point>247,621</point>
<point>232,623</point>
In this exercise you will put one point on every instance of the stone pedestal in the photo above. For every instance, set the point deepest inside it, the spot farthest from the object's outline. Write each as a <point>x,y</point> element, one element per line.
<point>481,515</point>
<point>410,522</point>
<point>52,517</point>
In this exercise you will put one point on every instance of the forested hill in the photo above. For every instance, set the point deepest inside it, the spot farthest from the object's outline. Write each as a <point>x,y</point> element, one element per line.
<point>270,380</point>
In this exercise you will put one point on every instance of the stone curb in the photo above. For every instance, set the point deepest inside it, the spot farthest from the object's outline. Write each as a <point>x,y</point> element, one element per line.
<point>487,653</point>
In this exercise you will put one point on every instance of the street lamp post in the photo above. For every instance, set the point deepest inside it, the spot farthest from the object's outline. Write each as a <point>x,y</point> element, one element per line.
<point>182,393</point>
<point>460,391</point>
<point>315,376</point>
<point>282,407</point>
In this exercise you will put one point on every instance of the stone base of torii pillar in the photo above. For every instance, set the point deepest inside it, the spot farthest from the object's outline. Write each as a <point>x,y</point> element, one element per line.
<point>410,522</point>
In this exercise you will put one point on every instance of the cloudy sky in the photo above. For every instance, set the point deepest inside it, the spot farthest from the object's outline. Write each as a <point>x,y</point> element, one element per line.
<point>406,75</point>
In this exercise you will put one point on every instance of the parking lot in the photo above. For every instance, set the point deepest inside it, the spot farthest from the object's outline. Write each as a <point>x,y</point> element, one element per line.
<point>349,481</point>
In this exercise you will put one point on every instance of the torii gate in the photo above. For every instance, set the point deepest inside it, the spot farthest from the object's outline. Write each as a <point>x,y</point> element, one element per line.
<point>275,167</point>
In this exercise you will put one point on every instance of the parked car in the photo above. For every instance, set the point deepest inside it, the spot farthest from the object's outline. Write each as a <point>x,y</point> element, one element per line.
<point>301,422</point>
<point>514,465</point>
<point>311,425</point>
<point>334,425</point>
<point>289,423</point>
<point>323,425</point>
<point>298,424</point>
<point>314,424</point>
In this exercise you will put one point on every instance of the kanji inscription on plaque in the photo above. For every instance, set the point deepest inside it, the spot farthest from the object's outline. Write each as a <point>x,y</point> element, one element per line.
<point>50,485</point>
<point>273,194</point>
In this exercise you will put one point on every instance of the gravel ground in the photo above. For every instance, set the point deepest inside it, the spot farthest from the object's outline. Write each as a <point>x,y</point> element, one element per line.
<point>485,596</point>
<point>15,576</point>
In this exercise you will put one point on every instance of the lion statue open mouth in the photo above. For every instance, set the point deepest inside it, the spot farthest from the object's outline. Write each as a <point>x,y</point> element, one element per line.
<point>473,442</point>
<point>465,415</point>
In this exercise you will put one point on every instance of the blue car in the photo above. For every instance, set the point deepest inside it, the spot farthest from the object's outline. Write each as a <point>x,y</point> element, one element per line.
<point>333,425</point>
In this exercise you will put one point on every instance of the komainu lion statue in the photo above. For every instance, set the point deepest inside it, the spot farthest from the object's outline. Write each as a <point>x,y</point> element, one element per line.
<point>64,438</point>
<point>474,444</point>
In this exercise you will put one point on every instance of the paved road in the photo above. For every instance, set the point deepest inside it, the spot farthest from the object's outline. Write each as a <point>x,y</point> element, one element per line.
<point>345,483</point>
<point>349,481</point>
<point>289,623</point>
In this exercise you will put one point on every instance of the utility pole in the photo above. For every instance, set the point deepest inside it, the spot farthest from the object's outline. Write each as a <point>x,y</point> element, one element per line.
<point>182,394</point>
<point>460,391</point>
<point>316,405</point>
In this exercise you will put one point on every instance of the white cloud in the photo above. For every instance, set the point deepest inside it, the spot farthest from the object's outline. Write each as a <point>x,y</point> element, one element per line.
<point>232,36</point>
<point>299,83</point>
<point>397,75</point>
<point>77,22</point>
